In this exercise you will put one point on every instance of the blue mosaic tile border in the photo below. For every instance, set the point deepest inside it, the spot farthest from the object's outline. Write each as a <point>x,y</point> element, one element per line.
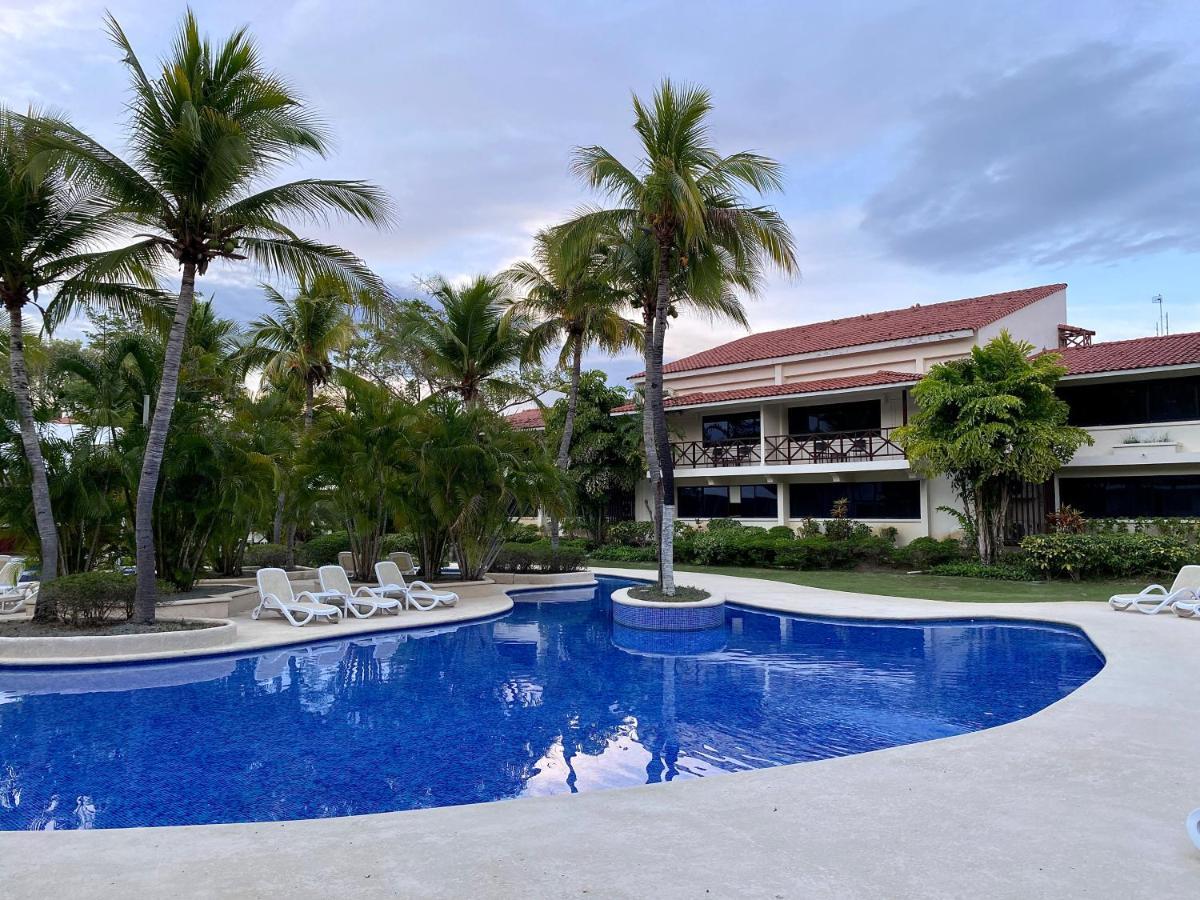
<point>668,643</point>
<point>658,618</point>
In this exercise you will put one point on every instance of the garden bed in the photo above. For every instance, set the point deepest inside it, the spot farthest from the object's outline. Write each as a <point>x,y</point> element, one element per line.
<point>652,593</point>
<point>31,629</point>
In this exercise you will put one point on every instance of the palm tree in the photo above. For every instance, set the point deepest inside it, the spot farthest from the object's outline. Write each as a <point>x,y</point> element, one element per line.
<point>204,135</point>
<point>575,305</point>
<point>298,342</point>
<point>470,341</point>
<point>686,198</point>
<point>49,227</point>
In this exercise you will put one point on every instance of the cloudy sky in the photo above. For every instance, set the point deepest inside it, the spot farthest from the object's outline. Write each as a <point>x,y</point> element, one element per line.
<point>932,150</point>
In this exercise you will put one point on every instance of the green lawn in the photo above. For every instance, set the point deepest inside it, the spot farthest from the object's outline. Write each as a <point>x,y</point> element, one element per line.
<point>929,587</point>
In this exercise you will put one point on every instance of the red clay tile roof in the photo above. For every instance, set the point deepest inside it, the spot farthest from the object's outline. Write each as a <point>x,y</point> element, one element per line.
<point>895,324</point>
<point>526,419</point>
<point>822,385</point>
<point>1138,353</point>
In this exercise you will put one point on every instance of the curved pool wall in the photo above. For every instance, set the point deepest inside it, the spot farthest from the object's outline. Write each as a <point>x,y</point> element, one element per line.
<point>550,698</point>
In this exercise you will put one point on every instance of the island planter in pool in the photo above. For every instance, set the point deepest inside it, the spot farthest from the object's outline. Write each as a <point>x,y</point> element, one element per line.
<point>667,615</point>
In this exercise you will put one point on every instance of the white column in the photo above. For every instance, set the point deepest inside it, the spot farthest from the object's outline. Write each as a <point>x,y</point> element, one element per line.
<point>783,495</point>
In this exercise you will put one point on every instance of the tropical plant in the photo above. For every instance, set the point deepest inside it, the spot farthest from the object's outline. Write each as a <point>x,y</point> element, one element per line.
<point>683,208</point>
<point>297,343</point>
<point>203,136</point>
<point>50,226</point>
<point>575,307</point>
<point>468,345</point>
<point>989,422</point>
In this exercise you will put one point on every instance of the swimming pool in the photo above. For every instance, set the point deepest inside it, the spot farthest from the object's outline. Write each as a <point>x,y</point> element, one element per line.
<point>547,699</point>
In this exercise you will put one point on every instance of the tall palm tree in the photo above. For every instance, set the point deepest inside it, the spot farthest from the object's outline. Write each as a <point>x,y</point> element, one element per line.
<point>203,136</point>
<point>298,342</point>
<point>574,305</point>
<point>469,341</point>
<point>686,198</point>
<point>49,228</point>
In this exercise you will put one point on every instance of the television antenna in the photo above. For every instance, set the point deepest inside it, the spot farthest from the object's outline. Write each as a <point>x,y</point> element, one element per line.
<point>1163,325</point>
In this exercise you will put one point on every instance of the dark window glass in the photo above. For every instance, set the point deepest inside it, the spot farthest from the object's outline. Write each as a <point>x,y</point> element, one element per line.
<point>759,501</point>
<point>702,502</point>
<point>868,499</point>
<point>1166,496</point>
<point>860,416</point>
<point>1134,402</point>
<point>731,427</point>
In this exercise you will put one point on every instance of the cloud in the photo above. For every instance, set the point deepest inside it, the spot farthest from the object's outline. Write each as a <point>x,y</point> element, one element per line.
<point>1084,156</point>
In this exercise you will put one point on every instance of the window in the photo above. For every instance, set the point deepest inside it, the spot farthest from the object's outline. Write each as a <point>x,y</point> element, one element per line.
<point>702,502</point>
<point>1134,402</point>
<point>1166,496</point>
<point>730,427</point>
<point>868,499</point>
<point>861,416</point>
<point>759,501</point>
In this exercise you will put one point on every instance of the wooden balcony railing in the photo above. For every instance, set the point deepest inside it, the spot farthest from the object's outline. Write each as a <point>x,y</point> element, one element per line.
<point>789,450</point>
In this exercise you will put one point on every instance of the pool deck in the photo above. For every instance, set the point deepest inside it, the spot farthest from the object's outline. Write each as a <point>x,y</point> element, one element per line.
<point>1086,798</point>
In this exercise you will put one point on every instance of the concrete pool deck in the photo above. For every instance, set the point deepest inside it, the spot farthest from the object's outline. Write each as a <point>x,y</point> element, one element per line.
<point>1086,798</point>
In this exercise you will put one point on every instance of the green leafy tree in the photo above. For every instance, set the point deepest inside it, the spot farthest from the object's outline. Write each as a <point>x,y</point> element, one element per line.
<point>467,345</point>
<point>574,307</point>
<point>989,422</point>
<point>606,455</point>
<point>686,198</point>
<point>50,226</point>
<point>203,136</point>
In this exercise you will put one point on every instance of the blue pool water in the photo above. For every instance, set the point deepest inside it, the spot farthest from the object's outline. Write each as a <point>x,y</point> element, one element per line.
<point>547,699</point>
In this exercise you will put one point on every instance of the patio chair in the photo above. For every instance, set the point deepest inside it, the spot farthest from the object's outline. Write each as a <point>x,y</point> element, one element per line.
<point>346,560</point>
<point>1155,598</point>
<point>275,592</point>
<point>418,594</point>
<point>362,602</point>
<point>14,595</point>
<point>403,559</point>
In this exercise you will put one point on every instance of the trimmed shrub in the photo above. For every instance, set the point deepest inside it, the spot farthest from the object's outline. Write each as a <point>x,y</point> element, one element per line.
<point>522,533</point>
<point>321,550</point>
<point>723,524</point>
<point>394,543</point>
<point>631,534</point>
<point>1018,570</point>
<point>539,558</point>
<point>782,531</point>
<point>93,598</point>
<point>622,553</point>
<point>1078,556</point>
<point>266,555</point>
<point>925,552</point>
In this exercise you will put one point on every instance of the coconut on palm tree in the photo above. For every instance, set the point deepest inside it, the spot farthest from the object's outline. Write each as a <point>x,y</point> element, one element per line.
<point>469,343</point>
<point>203,136</point>
<point>50,227</point>
<point>573,305</point>
<point>687,199</point>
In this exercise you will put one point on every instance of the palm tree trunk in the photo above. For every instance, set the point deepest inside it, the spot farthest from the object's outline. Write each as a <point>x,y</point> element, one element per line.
<point>658,415</point>
<point>42,510</point>
<point>309,403</point>
<point>277,525</point>
<point>160,426</point>
<point>564,445</point>
<point>654,470</point>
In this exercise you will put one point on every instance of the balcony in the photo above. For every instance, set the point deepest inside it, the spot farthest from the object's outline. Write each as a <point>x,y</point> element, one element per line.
<point>788,450</point>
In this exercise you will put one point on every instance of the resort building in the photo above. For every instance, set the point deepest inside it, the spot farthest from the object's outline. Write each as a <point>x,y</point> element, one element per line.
<point>773,428</point>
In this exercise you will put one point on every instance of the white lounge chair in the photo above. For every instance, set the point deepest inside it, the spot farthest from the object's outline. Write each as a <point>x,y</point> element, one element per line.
<point>361,602</point>
<point>1156,598</point>
<point>14,595</point>
<point>405,562</point>
<point>1193,827</point>
<point>275,592</point>
<point>418,594</point>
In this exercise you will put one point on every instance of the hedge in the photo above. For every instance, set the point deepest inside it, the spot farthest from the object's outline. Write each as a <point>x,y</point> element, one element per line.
<point>539,557</point>
<point>92,598</point>
<point>1078,556</point>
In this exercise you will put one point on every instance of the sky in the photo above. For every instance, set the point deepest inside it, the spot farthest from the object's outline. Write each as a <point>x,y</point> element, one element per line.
<point>931,150</point>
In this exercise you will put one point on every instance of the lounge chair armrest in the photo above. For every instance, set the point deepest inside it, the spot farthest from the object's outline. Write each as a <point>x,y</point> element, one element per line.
<point>420,585</point>
<point>312,598</point>
<point>367,591</point>
<point>268,596</point>
<point>1154,588</point>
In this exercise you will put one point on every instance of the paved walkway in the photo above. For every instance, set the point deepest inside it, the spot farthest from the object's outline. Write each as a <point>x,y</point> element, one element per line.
<point>1084,799</point>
